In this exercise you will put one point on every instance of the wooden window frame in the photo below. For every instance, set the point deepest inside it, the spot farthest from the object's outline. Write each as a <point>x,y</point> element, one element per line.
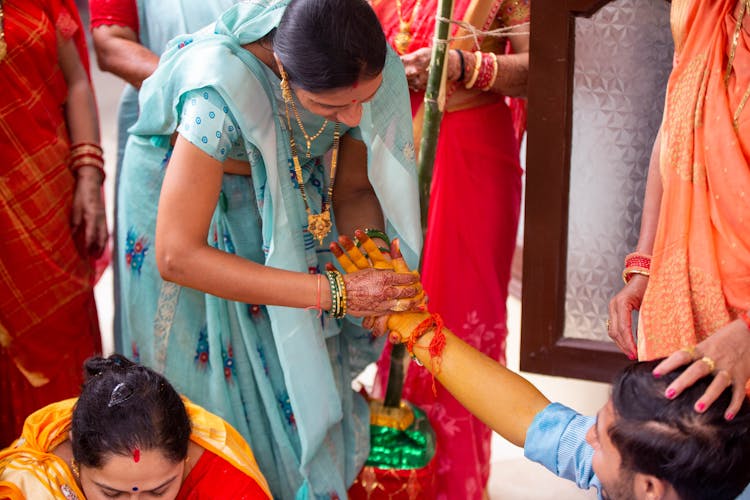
<point>543,348</point>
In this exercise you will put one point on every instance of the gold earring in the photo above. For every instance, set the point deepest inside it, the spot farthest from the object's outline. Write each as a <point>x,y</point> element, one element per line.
<point>74,469</point>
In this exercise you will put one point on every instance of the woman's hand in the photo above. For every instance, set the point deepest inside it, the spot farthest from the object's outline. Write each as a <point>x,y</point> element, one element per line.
<point>417,68</point>
<point>621,307</point>
<point>372,292</point>
<point>88,213</point>
<point>401,290</point>
<point>729,350</point>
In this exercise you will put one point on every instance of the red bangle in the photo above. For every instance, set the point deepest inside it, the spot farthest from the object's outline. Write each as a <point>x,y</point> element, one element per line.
<point>637,259</point>
<point>636,263</point>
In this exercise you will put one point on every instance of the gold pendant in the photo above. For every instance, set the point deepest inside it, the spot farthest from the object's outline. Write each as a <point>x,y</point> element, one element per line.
<point>3,49</point>
<point>319,225</point>
<point>402,38</point>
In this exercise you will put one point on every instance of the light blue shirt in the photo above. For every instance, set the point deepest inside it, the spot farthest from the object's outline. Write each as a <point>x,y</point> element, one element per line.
<point>557,440</point>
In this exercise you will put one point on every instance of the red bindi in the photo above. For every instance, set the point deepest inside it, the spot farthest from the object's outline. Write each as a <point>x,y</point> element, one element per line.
<point>353,101</point>
<point>136,455</point>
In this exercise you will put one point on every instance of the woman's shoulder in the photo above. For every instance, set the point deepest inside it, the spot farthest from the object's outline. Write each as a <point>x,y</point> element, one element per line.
<point>215,477</point>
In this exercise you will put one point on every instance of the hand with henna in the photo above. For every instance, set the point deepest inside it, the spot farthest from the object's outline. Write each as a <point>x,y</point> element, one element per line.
<point>88,212</point>
<point>373,286</point>
<point>356,260</point>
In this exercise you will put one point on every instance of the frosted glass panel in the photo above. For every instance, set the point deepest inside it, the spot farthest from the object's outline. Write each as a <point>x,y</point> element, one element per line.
<point>623,55</point>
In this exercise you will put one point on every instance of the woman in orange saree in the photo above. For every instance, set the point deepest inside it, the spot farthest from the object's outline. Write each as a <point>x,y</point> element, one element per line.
<point>52,224</point>
<point>694,224</point>
<point>476,191</point>
<point>128,432</point>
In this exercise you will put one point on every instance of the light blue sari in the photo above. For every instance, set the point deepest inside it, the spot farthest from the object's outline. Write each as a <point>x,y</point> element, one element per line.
<point>281,376</point>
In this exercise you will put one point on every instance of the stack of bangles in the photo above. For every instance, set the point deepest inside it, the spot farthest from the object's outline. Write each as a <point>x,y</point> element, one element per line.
<point>338,294</point>
<point>86,154</point>
<point>636,263</point>
<point>484,74</point>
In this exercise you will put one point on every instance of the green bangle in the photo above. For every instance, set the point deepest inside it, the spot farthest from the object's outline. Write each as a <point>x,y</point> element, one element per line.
<point>377,233</point>
<point>335,310</point>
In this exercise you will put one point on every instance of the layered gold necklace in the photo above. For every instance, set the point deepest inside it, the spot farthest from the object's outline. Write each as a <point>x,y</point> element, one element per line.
<point>3,43</point>
<point>319,225</point>
<point>730,63</point>
<point>404,35</point>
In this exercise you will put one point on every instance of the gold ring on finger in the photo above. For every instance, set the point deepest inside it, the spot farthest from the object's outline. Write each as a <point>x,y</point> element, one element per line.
<point>710,363</point>
<point>608,323</point>
<point>690,350</point>
<point>401,305</point>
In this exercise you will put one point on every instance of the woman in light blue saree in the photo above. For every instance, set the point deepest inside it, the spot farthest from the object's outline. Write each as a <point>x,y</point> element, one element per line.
<point>236,324</point>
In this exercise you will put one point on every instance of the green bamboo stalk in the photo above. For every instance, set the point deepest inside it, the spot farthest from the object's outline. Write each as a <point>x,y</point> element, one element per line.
<point>433,113</point>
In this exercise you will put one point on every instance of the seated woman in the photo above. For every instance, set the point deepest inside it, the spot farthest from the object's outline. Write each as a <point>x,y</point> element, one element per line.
<point>128,432</point>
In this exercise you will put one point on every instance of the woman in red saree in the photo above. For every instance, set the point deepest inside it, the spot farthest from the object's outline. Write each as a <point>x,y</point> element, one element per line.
<point>697,204</point>
<point>52,223</point>
<point>474,204</point>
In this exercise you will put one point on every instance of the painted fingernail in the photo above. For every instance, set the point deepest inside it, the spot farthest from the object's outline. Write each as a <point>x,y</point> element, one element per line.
<point>729,416</point>
<point>656,374</point>
<point>670,393</point>
<point>700,406</point>
<point>631,357</point>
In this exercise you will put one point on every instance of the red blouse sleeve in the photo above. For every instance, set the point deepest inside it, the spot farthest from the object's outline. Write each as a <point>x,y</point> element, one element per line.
<point>114,12</point>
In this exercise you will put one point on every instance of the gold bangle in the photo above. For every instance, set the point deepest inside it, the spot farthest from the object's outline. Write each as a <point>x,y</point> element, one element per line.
<point>475,72</point>
<point>342,292</point>
<point>634,270</point>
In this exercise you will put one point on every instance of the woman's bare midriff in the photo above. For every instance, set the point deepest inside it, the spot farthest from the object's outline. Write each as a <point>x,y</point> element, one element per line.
<point>236,167</point>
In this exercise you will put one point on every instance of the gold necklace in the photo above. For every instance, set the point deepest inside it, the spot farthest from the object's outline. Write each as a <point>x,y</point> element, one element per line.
<point>319,225</point>
<point>3,43</point>
<point>730,62</point>
<point>309,140</point>
<point>403,37</point>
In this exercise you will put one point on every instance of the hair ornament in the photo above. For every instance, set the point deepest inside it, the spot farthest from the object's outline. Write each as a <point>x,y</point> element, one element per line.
<point>121,393</point>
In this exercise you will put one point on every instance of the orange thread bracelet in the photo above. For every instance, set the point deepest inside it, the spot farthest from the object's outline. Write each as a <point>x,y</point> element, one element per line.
<point>436,347</point>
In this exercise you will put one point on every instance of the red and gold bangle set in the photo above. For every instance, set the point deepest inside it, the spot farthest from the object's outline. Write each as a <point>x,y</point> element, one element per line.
<point>484,73</point>
<point>636,263</point>
<point>86,154</point>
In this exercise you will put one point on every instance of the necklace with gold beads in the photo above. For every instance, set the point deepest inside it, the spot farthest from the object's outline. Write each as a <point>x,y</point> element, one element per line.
<point>404,35</point>
<point>319,225</point>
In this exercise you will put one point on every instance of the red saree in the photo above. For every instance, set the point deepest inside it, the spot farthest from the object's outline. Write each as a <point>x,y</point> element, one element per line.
<point>48,321</point>
<point>700,272</point>
<point>473,217</point>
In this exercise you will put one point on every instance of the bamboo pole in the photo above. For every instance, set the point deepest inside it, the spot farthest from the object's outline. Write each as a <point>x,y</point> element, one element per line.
<point>434,101</point>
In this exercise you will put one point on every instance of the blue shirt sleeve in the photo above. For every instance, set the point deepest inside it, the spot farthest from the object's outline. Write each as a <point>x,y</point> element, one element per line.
<point>557,440</point>
<point>207,123</point>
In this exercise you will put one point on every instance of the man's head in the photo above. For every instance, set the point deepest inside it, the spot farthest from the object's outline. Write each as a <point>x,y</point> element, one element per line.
<point>646,444</point>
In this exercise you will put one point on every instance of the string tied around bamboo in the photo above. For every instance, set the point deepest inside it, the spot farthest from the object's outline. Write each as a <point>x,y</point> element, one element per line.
<point>476,33</point>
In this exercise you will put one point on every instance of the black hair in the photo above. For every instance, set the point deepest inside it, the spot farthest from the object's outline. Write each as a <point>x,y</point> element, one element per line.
<point>124,406</point>
<point>702,455</point>
<point>329,44</point>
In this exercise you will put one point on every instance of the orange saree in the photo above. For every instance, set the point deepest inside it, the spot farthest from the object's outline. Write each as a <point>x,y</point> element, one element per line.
<point>226,469</point>
<point>48,321</point>
<point>700,271</point>
<point>473,217</point>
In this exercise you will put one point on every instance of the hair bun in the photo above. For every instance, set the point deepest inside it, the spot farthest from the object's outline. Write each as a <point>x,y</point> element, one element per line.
<point>98,365</point>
